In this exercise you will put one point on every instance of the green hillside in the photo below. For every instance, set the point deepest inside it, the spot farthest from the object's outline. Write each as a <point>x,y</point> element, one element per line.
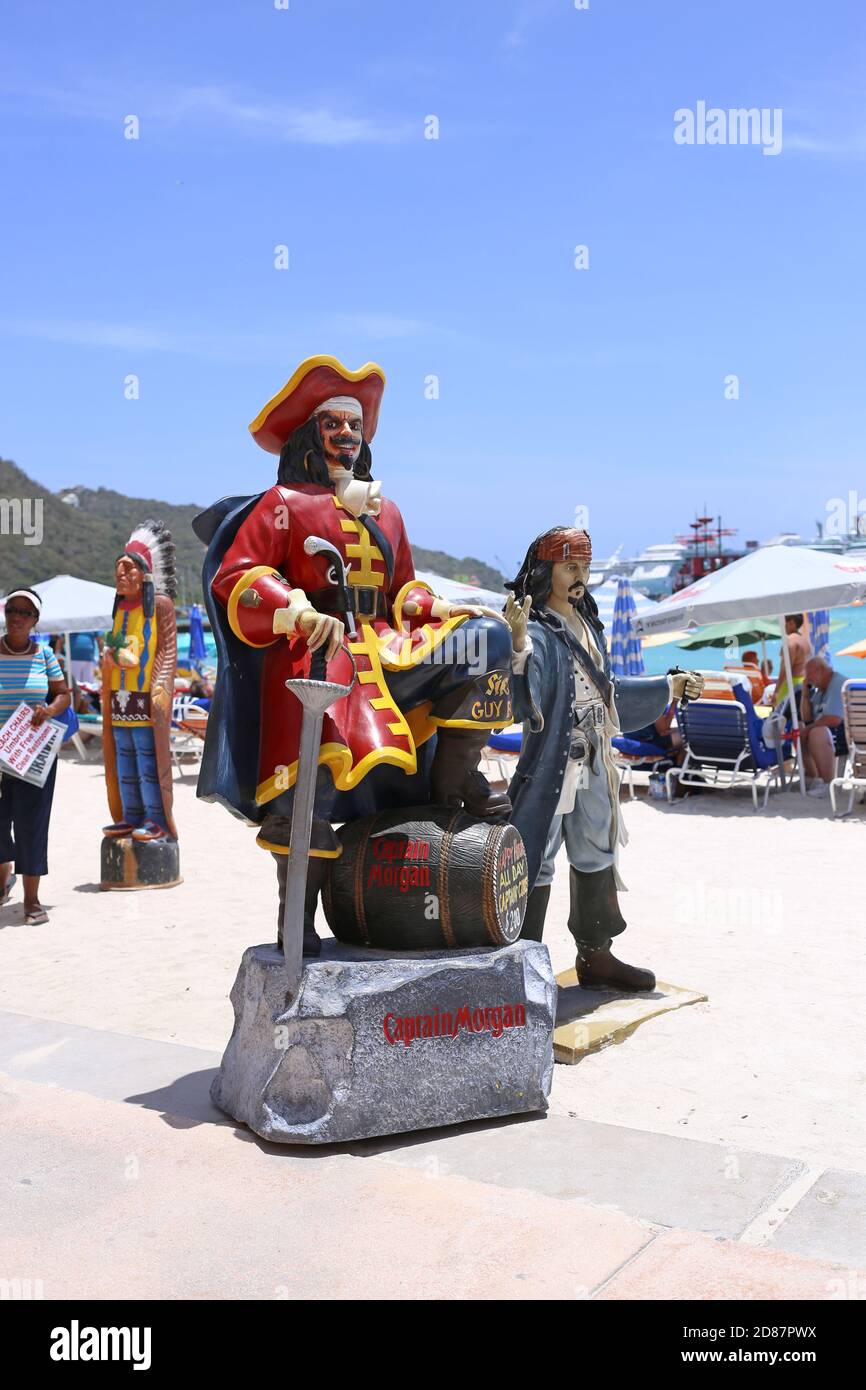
<point>85,539</point>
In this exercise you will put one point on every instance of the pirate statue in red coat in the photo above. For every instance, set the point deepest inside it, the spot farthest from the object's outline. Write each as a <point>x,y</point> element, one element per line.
<point>321,561</point>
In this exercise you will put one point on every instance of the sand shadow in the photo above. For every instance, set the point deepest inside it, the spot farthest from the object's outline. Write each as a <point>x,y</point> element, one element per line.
<point>185,1102</point>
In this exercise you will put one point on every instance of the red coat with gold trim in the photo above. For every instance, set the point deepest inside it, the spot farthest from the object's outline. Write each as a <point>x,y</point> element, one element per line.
<point>267,557</point>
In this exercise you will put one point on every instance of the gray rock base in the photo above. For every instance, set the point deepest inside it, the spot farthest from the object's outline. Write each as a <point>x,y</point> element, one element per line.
<point>379,1044</point>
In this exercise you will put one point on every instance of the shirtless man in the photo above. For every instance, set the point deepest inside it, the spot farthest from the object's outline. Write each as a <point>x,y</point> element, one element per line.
<point>800,650</point>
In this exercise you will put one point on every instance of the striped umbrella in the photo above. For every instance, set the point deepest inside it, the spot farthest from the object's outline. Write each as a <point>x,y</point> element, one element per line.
<point>819,633</point>
<point>626,657</point>
<point>197,649</point>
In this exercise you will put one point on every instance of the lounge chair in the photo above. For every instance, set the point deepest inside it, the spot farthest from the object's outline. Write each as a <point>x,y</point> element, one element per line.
<point>188,728</point>
<point>502,745</point>
<point>853,778</point>
<point>724,748</point>
<point>632,755</point>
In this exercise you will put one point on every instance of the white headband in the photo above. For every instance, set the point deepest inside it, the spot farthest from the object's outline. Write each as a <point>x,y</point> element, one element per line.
<point>340,403</point>
<point>28,594</point>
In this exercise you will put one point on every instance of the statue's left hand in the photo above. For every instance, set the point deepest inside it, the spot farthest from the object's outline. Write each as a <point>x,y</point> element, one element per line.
<point>160,697</point>
<point>688,684</point>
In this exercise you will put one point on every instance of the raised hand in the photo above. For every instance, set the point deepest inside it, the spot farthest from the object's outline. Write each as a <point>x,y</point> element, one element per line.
<point>517,617</point>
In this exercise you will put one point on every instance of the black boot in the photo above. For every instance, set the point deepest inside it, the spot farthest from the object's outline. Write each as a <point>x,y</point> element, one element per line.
<point>315,877</point>
<point>455,778</point>
<point>593,919</point>
<point>536,911</point>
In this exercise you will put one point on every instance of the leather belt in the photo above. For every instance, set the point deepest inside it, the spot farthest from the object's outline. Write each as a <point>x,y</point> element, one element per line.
<point>589,715</point>
<point>365,601</point>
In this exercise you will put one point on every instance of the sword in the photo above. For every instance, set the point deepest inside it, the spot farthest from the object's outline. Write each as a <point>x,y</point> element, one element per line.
<point>316,693</point>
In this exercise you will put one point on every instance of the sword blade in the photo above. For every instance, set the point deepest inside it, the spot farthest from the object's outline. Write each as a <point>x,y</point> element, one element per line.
<point>299,846</point>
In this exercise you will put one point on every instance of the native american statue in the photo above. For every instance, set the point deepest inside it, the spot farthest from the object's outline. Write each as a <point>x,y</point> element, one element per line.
<point>139,665</point>
<point>320,564</point>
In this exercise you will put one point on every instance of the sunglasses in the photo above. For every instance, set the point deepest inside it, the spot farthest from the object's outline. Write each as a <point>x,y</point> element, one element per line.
<point>20,612</point>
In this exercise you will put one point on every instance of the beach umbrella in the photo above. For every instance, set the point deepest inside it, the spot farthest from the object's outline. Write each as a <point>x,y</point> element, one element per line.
<point>856,649</point>
<point>197,649</point>
<point>626,657</point>
<point>605,599</point>
<point>769,582</point>
<point>742,631</point>
<point>819,633</point>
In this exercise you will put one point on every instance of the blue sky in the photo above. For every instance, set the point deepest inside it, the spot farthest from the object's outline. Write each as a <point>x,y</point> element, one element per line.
<point>454,257</point>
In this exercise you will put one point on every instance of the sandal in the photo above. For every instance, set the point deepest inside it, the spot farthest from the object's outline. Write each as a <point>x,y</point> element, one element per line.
<point>37,918</point>
<point>6,893</point>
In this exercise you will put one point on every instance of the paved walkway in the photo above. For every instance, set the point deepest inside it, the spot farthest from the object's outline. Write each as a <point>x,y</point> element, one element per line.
<point>120,1178</point>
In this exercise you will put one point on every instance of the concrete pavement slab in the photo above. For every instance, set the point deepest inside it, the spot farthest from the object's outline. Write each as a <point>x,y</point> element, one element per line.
<point>112,1066</point>
<point>658,1178</point>
<point>830,1221</point>
<point>683,1265</point>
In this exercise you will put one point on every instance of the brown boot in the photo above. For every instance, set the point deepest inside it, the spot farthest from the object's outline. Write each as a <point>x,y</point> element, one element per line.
<point>455,779</point>
<point>598,969</point>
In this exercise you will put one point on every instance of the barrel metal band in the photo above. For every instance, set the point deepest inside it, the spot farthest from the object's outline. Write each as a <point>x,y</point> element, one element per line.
<point>444,905</point>
<point>488,874</point>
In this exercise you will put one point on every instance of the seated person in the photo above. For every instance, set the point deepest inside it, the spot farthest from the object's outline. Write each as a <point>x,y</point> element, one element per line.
<point>821,724</point>
<point>749,671</point>
<point>202,689</point>
<point>661,735</point>
<point>755,669</point>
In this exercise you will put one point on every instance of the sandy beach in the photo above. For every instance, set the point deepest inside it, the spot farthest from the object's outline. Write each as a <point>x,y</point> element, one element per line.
<point>718,1151</point>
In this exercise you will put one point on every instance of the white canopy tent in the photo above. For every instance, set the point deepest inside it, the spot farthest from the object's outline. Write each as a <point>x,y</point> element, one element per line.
<point>72,605</point>
<point>458,592</point>
<point>768,583</point>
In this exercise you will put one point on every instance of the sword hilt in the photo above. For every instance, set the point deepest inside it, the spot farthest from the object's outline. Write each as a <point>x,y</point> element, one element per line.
<point>318,665</point>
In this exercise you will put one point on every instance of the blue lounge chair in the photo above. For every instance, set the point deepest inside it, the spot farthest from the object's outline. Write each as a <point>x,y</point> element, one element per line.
<point>724,748</point>
<point>636,755</point>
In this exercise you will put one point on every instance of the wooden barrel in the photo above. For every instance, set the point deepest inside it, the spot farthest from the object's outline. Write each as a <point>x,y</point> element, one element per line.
<point>426,879</point>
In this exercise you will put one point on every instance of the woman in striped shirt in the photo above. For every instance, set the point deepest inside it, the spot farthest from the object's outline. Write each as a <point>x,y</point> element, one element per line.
<point>28,672</point>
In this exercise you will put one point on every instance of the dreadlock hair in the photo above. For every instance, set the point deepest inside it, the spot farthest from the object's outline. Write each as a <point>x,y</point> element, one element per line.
<point>534,580</point>
<point>303,461</point>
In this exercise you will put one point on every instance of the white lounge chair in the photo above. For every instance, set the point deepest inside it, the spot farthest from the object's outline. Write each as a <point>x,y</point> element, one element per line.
<point>853,778</point>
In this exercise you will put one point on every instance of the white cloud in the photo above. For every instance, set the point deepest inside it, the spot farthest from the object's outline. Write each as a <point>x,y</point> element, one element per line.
<point>841,147</point>
<point>222,109</point>
<point>229,346</point>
